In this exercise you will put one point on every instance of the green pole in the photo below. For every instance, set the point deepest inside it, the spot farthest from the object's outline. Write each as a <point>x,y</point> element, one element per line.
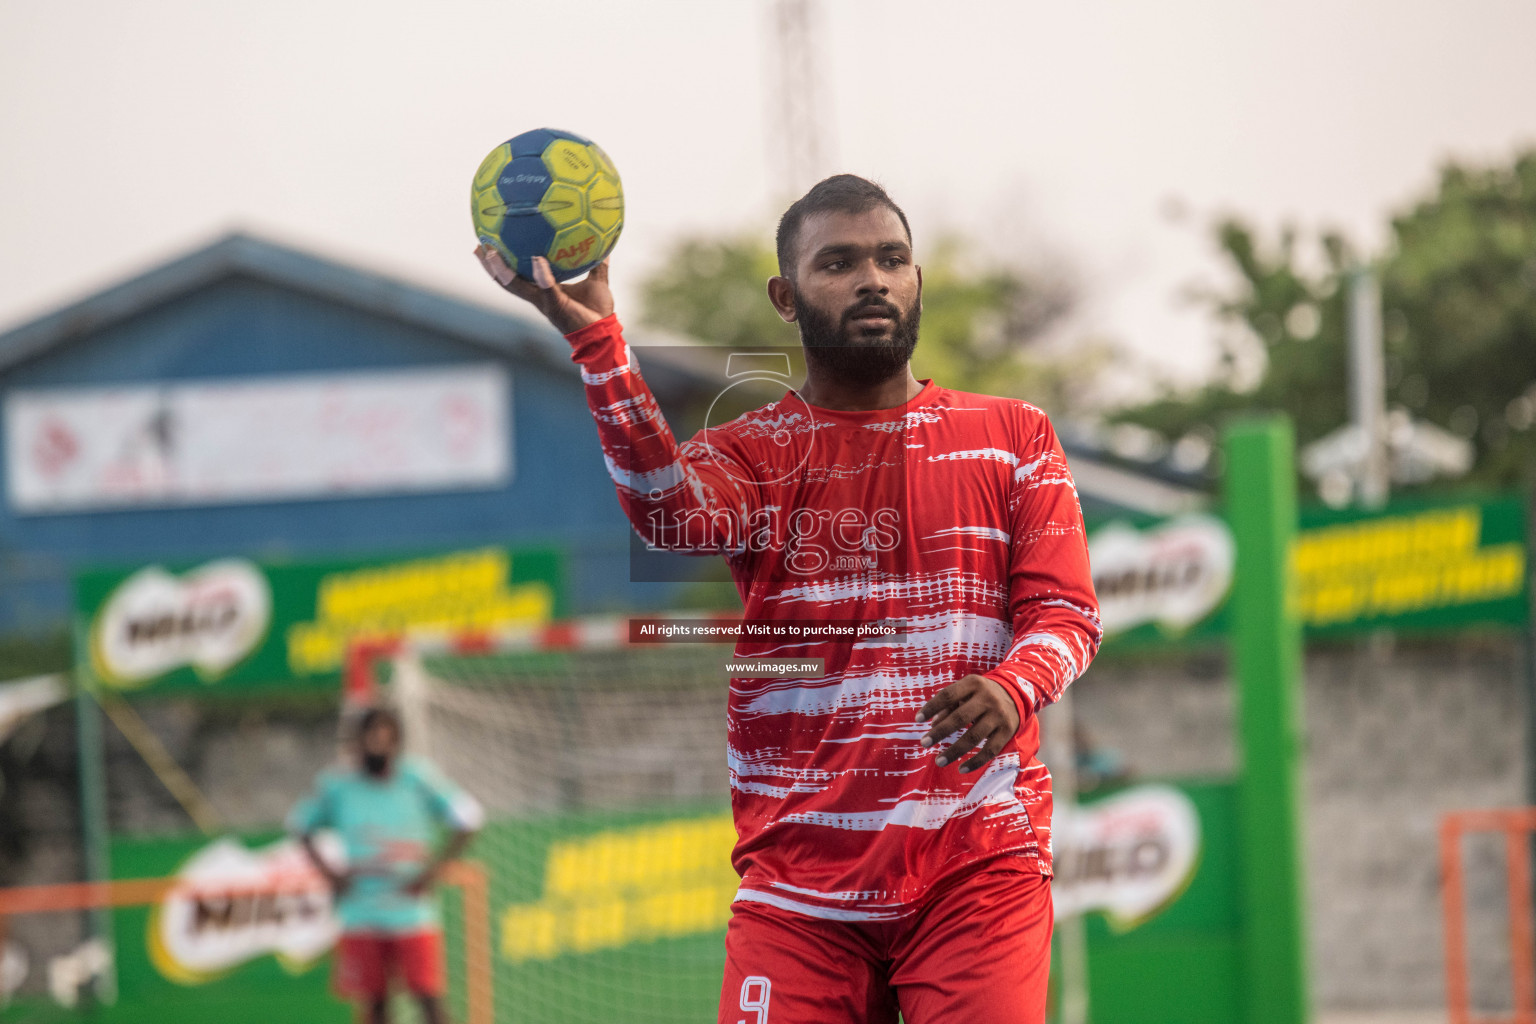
<point>1266,649</point>
<point>94,829</point>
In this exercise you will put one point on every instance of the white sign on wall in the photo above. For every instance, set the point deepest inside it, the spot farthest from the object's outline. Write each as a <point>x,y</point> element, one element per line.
<point>248,440</point>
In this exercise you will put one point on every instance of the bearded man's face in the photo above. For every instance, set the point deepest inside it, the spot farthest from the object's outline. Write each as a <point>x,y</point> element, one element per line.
<point>858,295</point>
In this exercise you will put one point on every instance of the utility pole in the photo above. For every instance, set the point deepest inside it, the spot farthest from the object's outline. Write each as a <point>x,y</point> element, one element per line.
<point>1368,388</point>
<point>797,96</point>
<point>1360,460</point>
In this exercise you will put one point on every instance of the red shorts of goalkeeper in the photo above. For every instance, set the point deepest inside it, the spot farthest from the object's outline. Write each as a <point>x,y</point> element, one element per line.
<point>366,962</point>
<point>977,949</point>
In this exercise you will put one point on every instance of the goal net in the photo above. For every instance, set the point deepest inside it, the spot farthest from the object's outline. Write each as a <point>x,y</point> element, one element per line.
<point>601,765</point>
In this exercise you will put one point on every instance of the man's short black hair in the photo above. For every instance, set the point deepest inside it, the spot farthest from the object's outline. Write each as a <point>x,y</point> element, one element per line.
<point>843,193</point>
<point>378,716</point>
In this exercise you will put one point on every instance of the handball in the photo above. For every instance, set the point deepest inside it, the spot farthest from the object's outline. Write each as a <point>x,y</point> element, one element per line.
<point>548,193</point>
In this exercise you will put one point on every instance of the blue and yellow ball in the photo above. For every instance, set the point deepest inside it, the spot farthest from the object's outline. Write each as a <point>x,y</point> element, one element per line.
<point>548,193</point>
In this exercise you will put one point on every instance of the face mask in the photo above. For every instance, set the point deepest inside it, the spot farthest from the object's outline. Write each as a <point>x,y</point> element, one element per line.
<point>375,764</point>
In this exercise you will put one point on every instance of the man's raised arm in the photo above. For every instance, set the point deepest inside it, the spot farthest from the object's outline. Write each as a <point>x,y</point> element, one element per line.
<point>687,500</point>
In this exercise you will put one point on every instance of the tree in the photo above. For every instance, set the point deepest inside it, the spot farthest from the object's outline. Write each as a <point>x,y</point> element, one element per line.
<point>979,330</point>
<point>1459,308</point>
<point>1460,295</point>
<point>713,289</point>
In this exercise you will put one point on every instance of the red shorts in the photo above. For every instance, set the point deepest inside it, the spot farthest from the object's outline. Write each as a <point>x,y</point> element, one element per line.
<point>978,949</point>
<point>365,962</point>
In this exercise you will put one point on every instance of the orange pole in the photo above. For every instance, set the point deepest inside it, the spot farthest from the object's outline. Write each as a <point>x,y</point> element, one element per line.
<point>36,899</point>
<point>1517,824</point>
<point>478,971</point>
<point>1517,861</point>
<point>1457,991</point>
<point>467,875</point>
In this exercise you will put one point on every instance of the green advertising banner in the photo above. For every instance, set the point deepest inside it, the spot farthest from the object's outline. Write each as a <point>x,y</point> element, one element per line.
<point>1183,964</point>
<point>242,944</point>
<point>600,917</point>
<point>595,917</point>
<point>232,624</point>
<point>1411,567</point>
<point>1426,567</point>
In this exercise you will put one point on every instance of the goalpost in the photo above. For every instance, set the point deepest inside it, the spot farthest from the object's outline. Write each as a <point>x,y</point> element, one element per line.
<point>601,765</point>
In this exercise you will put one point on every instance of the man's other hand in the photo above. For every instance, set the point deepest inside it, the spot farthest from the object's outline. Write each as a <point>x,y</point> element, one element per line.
<point>982,705</point>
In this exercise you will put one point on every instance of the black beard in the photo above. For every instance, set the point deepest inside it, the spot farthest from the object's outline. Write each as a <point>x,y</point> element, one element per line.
<point>830,351</point>
<point>376,765</point>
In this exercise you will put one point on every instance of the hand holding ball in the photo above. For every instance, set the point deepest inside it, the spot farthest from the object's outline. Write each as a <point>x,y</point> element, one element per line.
<point>548,193</point>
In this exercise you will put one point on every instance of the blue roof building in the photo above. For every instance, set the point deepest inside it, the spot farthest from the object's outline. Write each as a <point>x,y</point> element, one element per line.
<point>247,311</point>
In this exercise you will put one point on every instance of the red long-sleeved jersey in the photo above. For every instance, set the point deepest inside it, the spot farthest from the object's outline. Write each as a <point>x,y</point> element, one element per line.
<point>954,514</point>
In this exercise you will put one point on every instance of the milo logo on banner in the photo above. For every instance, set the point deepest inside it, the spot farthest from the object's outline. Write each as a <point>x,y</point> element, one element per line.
<point>1174,574</point>
<point>231,904</point>
<point>209,619</point>
<point>1129,855</point>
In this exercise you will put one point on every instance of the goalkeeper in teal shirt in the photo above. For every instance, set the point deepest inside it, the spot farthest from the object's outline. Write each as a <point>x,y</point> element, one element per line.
<point>392,814</point>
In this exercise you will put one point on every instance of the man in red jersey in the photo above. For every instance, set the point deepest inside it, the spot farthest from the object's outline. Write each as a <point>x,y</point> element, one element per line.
<point>893,823</point>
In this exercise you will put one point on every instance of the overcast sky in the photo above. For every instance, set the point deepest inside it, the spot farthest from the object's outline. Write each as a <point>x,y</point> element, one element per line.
<point>134,131</point>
